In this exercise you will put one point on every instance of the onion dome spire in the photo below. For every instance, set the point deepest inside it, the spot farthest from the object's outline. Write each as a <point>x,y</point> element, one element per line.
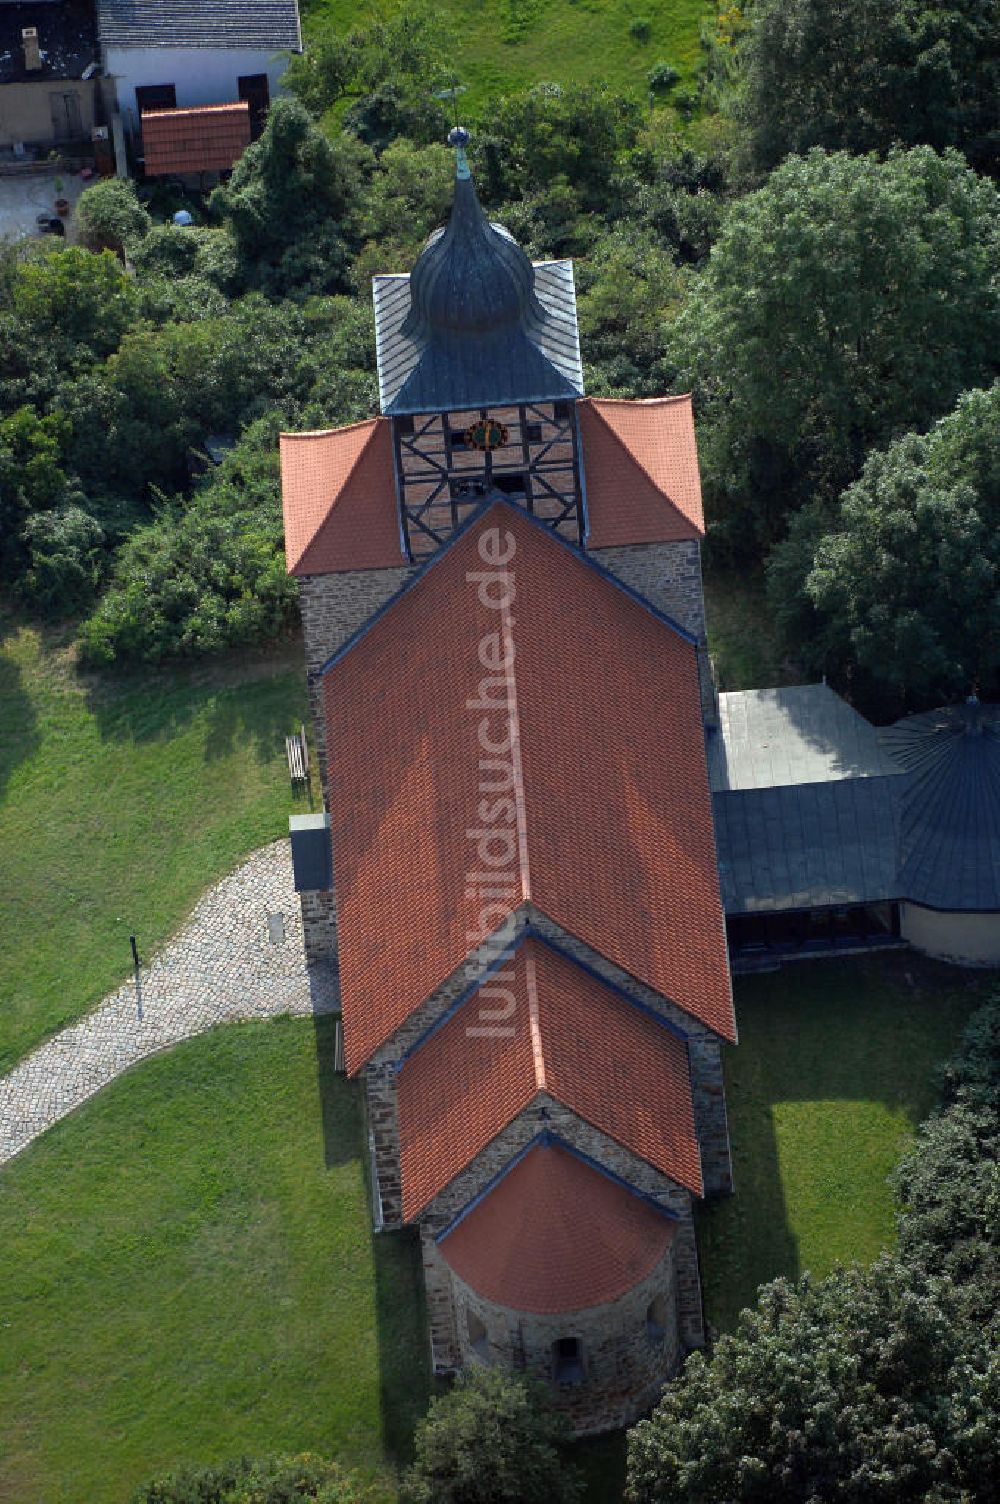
<point>473,276</point>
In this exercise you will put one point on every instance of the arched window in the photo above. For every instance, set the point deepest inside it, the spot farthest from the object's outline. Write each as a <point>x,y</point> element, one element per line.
<point>479,1337</point>
<point>567,1360</point>
<point>656,1319</point>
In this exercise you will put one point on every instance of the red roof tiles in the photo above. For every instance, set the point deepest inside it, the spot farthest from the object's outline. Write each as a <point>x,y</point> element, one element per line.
<point>640,461</point>
<point>604,817</point>
<point>338,492</point>
<point>205,139</point>
<point>565,1033</point>
<point>529,1246</point>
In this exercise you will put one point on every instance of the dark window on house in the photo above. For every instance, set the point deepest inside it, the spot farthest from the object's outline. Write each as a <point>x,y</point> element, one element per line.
<point>458,440</point>
<point>656,1319</point>
<point>567,1360</point>
<point>533,433</point>
<point>479,1337</point>
<point>510,485</point>
<point>156,97</point>
<point>253,87</point>
<point>403,425</point>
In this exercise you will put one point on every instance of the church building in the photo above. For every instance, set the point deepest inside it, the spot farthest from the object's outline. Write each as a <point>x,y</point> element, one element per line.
<point>515,867</point>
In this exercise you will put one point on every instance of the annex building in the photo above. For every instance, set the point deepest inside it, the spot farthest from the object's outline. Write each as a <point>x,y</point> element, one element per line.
<point>539,818</point>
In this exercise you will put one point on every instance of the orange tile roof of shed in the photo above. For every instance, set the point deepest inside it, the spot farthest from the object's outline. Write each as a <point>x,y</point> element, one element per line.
<point>555,1235</point>
<point>640,462</point>
<point>207,138</point>
<point>338,494</point>
<point>612,835</point>
<point>568,1034</point>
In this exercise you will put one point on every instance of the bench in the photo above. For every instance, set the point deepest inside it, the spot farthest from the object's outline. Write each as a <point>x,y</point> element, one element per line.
<point>297,752</point>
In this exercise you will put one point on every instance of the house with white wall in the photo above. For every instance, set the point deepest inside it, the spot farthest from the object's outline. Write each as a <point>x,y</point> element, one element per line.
<point>162,54</point>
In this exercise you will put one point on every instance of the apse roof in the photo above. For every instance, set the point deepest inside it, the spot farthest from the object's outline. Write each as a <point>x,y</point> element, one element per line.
<point>640,462</point>
<point>603,755</point>
<point>557,1233</point>
<point>565,1032</point>
<point>950,817</point>
<point>339,499</point>
<point>475,324</point>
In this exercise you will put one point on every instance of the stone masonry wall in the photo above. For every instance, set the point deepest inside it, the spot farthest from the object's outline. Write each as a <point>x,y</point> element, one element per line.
<point>334,607</point>
<point>668,575</point>
<point>319,924</point>
<point>625,1362</point>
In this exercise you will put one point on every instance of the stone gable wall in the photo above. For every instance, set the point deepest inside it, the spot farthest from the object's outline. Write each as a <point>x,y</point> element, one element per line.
<point>625,1366</point>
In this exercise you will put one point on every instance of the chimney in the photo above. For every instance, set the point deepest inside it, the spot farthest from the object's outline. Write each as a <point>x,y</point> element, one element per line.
<point>32,56</point>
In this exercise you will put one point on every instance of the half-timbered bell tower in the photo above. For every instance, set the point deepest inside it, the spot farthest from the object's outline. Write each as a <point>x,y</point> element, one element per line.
<point>479,371</point>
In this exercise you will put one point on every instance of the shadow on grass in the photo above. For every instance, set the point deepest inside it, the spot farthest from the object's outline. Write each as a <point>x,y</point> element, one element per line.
<point>403,1351</point>
<point>253,702</point>
<point>340,1100</point>
<point>19,736</point>
<point>864,1030</point>
<point>602,1461</point>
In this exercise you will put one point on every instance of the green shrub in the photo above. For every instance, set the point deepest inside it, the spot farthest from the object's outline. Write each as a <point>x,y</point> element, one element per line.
<point>65,556</point>
<point>494,1439</point>
<point>640,30</point>
<point>269,1480</point>
<point>109,216</point>
<point>662,78</point>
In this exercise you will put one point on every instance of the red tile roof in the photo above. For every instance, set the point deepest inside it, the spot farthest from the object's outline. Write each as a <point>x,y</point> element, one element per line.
<point>570,1036</point>
<point>338,492</point>
<point>206,139</point>
<point>640,462</point>
<point>555,1235</point>
<point>607,785</point>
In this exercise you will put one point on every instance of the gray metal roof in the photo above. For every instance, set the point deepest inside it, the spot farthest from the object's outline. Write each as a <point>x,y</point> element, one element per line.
<point>802,734</point>
<point>950,820</point>
<point>476,324</point>
<point>257,24</point>
<point>312,856</point>
<point>808,845</point>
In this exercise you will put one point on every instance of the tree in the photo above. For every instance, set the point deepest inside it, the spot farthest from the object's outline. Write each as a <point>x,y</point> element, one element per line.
<point>33,478</point>
<point>390,69</point>
<point>285,204</point>
<point>269,1480</point>
<point>903,579</point>
<point>110,217</point>
<point>845,301</point>
<point>861,75</point>
<point>493,1440</point>
<point>74,301</point>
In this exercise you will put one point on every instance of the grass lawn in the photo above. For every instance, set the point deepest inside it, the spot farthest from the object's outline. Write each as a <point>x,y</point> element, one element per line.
<point>187,1272</point>
<point>504,45</point>
<point>834,1068</point>
<point>121,800</point>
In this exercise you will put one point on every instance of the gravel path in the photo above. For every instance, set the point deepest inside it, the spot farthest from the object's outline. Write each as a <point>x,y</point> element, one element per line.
<point>239,956</point>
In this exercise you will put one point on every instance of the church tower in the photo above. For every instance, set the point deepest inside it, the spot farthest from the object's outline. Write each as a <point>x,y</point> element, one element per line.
<point>516,866</point>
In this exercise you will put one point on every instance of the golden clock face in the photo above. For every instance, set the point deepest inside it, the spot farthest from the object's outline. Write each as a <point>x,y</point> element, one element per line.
<point>486,434</point>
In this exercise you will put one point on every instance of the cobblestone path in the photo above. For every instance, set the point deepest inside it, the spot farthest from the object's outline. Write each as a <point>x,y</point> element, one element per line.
<point>238,956</point>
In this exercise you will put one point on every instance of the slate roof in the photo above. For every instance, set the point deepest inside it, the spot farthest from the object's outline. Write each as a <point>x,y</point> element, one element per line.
<point>640,463</point>
<point>474,362</point>
<point>806,802</point>
<point>206,138</point>
<point>950,817</point>
<point>338,493</point>
<point>614,831</point>
<point>566,1033</point>
<point>67,40</point>
<point>272,24</point>
<point>802,734</point>
<point>527,1245</point>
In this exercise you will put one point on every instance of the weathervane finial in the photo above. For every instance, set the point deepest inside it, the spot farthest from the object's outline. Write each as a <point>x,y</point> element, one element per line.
<point>458,137</point>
